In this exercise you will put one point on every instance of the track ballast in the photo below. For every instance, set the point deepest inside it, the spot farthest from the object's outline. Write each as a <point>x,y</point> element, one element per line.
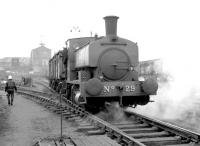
<point>139,131</point>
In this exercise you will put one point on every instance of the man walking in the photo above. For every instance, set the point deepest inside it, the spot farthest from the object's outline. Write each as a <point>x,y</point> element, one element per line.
<point>9,88</point>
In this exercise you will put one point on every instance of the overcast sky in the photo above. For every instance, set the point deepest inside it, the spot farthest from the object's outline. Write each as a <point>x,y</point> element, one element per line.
<point>162,28</point>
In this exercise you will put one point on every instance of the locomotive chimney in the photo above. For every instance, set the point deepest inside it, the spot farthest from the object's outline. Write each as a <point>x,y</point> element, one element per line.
<point>111,27</point>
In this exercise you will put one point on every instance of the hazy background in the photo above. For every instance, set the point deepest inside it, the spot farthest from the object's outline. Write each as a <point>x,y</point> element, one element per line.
<point>161,28</point>
<point>166,29</point>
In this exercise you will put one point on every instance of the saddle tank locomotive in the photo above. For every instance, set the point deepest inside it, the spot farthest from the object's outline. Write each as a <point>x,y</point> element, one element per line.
<point>95,70</point>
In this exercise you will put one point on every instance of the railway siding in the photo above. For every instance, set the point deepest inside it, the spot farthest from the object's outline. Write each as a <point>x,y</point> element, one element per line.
<point>141,131</point>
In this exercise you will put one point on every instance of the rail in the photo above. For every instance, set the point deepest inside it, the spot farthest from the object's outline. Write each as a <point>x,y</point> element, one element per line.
<point>146,131</point>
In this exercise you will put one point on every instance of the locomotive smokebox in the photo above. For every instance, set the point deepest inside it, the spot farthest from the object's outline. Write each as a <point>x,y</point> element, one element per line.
<point>111,27</point>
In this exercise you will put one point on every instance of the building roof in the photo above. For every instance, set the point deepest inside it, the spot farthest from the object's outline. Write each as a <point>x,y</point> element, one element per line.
<point>42,47</point>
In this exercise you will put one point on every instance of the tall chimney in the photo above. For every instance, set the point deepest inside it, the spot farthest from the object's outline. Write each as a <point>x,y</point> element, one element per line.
<point>111,26</point>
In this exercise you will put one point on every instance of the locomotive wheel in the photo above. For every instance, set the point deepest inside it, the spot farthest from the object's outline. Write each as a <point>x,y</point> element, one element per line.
<point>90,107</point>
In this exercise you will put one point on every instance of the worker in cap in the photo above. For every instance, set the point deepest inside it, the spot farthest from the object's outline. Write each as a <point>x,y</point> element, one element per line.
<point>10,88</point>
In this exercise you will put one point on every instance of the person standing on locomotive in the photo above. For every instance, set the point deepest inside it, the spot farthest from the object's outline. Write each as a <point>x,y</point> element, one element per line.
<point>9,88</point>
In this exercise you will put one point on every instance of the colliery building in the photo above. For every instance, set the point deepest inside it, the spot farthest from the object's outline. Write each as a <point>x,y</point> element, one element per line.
<point>14,62</point>
<point>39,59</point>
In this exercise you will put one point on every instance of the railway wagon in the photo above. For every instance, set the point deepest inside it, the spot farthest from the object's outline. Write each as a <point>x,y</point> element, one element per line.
<point>56,70</point>
<point>104,69</point>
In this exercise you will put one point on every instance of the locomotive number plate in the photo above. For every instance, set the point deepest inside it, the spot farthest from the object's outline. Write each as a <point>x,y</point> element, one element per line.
<point>112,88</point>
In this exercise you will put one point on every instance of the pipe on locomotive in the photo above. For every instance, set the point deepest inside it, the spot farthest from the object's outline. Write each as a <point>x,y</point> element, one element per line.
<point>111,27</point>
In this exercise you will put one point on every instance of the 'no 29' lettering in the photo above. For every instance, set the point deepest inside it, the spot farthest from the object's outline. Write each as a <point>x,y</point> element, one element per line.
<point>127,88</point>
<point>130,88</point>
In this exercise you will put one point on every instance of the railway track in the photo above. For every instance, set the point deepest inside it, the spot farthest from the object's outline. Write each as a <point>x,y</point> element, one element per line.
<point>138,131</point>
<point>44,84</point>
<point>27,89</point>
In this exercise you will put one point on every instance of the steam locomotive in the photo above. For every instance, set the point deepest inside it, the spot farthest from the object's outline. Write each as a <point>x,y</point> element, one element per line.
<point>90,71</point>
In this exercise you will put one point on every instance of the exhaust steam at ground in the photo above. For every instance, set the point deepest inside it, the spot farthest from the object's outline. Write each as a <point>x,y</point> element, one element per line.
<point>113,113</point>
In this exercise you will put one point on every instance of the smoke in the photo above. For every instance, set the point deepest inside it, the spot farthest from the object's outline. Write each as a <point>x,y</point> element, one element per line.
<point>178,99</point>
<point>113,113</point>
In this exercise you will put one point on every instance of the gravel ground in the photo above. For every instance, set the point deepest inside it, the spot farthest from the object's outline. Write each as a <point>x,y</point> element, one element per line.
<point>25,122</point>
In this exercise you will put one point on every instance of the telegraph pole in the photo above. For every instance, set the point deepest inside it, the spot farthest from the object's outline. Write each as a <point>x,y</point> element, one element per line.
<point>61,133</point>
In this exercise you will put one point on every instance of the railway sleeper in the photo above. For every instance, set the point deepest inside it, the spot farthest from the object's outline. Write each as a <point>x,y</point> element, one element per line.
<point>51,104</point>
<point>52,108</point>
<point>141,130</point>
<point>48,106</point>
<point>70,116</point>
<point>74,118</point>
<point>150,135</point>
<point>84,123</point>
<point>81,120</point>
<point>132,126</point>
<point>123,141</point>
<point>87,128</point>
<point>96,132</point>
<point>66,113</point>
<point>46,102</point>
<point>161,140</point>
<point>184,144</point>
<point>42,102</point>
<point>59,111</point>
<point>126,123</point>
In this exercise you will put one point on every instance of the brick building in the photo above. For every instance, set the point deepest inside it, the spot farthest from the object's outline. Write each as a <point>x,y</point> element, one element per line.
<point>39,59</point>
